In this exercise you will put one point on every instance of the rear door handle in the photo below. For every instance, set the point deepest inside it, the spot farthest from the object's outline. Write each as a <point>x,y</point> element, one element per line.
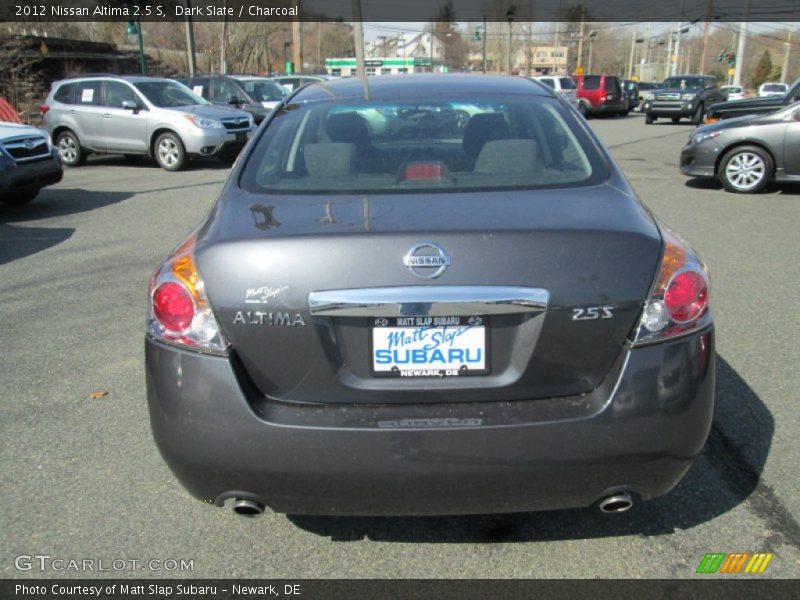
<point>107,116</point>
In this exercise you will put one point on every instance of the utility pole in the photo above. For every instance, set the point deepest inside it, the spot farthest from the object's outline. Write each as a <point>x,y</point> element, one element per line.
<point>223,65</point>
<point>484,45</point>
<point>787,45</point>
<point>706,27</point>
<point>633,51</point>
<point>737,75</point>
<point>579,67</point>
<point>510,19</point>
<point>190,41</point>
<point>555,47</point>
<point>358,38</point>
<point>669,54</point>
<point>297,44</point>
<point>530,35</point>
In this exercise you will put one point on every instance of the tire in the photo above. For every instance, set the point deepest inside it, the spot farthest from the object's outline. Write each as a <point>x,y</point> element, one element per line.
<point>624,113</point>
<point>169,152</point>
<point>697,118</point>
<point>19,198</point>
<point>649,119</point>
<point>72,154</point>
<point>583,110</point>
<point>676,120</point>
<point>746,170</point>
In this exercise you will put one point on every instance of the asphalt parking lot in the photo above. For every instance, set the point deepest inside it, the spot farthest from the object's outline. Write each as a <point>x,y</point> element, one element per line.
<point>82,478</point>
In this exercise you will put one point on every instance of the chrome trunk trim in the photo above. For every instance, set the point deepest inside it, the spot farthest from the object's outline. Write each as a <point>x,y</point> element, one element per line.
<point>428,301</point>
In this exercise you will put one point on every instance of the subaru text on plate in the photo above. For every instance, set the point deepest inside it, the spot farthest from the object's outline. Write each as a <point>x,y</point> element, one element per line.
<point>450,316</point>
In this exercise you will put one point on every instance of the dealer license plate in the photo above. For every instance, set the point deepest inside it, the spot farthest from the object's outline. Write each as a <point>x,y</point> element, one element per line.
<point>429,346</point>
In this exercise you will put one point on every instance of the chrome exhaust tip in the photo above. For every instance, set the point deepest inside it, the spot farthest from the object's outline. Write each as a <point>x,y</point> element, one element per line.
<point>618,503</point>
<point>248,508</point>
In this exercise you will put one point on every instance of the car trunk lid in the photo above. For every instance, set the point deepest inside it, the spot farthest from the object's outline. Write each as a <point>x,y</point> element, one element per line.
<point>555,278</point>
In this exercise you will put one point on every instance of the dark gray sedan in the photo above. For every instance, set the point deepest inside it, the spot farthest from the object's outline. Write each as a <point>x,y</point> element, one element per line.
<point>748,153</point>
<point>438,315</point>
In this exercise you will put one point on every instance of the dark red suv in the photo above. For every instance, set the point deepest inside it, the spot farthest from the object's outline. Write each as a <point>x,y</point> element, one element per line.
<point>600,95</point>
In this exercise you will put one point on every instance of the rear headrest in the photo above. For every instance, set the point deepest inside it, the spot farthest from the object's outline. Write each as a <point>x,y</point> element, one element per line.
<point>509,156</point>
<point>329,160</point>
<point>349,128</point>
<point>482,128</point>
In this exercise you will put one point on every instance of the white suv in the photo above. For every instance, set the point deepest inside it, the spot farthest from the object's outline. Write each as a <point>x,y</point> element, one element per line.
<point>140,116</point>
<point>562,85</point>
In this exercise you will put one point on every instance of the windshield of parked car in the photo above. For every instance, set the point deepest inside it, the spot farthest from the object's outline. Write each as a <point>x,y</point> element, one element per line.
<point>684,83</point>
<point>168,94</point>
<point>333,147</point>
<point>262,90</point>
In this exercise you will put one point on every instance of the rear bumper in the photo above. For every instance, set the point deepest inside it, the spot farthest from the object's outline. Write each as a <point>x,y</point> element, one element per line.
<point>639,430</point>
<point>609,109</point>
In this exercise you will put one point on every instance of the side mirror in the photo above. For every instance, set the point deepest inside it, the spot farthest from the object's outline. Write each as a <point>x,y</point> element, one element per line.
<point>235,100</point>
<point>130,105</point>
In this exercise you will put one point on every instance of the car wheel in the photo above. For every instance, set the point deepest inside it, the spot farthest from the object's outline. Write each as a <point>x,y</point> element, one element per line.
<point>19,198</point>
<point>624,113</point>
<point>649,119</point>
<point>170,153</point>
<point>676,120</point>
<point>70,149</point>
<point>697,118</point>
<point>583,110</point>
<point>746,170</point>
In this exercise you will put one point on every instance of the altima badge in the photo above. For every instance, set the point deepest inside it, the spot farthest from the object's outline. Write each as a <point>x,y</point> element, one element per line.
<point>426,260</point>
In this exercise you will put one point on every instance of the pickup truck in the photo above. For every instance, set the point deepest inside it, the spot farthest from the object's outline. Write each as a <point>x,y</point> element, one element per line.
<point>28,162</point>
<point>753,106</point>
<point>682,96</point>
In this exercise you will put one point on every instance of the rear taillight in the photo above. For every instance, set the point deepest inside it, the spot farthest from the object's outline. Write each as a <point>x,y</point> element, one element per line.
<point>44,108</point>
<point>678,301</point>
<point>179,312</point>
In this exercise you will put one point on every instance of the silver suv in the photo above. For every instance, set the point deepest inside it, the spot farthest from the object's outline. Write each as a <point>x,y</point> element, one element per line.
<point>138,116</point>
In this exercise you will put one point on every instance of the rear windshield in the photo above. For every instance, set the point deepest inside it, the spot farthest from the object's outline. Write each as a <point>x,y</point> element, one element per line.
<point>168,94</point>
<point>445,146</point>
<point>774,87</point>
<point>567,83</point>
<point>591,82</point>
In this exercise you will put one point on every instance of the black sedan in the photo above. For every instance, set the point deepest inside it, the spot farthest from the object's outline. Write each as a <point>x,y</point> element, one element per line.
<point>753,106</point>
<point>747,153</point>
<point>430,316</point>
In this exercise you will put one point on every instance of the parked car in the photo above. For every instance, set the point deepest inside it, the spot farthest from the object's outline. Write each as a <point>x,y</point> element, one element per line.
<point>521,333</point>
<point>28,162</point>
<point>747,154</point>
<point>600,95</point>
<point>562,85</point>
<point>766,90</point>
<point>644,87</point>
<point>682,97</point>
<point>292,82</point>
<point>138,116</point>
<point>262,89</point>
<point>227,91</point>
<point>733,92</point>
<point>753,106</point>
<point>631,90</point>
